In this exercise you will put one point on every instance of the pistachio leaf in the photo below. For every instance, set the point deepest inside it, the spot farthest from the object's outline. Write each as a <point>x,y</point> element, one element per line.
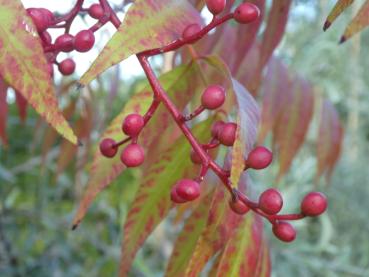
<point>147,25</point>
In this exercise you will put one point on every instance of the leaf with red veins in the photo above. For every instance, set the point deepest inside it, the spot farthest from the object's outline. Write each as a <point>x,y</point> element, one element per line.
<point>22,106</point>
<point>244,252</point>
<point>293,124</point>
<point>220,226</point>
<point>179,83</point>
<point>24,67</point>
<point>187,238</point>
<point>330,140</point>
<point>148,24</point>
<point>3,111</point>
<point>276,88</point>
<point>358,23</point>
<point>338,9</point>
<point>153,202</point>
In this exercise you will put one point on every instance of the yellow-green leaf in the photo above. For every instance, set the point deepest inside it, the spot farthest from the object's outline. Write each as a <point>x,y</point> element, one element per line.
<point>147,25</point>
<point>23,65</point>
<point>338,8</point>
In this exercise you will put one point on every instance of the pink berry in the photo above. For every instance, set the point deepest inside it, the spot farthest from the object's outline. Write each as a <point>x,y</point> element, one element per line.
<point>188,189</point>
<point>133,155</point>
<point>227,134</point>
<point>40,18</point>
<point>46,38</point>
<point>284,231</point>
<point>84,40</point>
<point>271,201</point>
<point>216,6</point>
<point>133,124</point>
<point>191,30</point>
<point>96,11</point>
<point>246,13</point>
<point>107,148</point>
<point>259,158</point>
<point>238,206</point>
<point>65,43</point>
<point>48,14</point>
<point>213,97</point>
<point>195,158</point>
<point>67,67</point>
<point>314,204</point>
<point>174,196</point>
<point>215,129</point>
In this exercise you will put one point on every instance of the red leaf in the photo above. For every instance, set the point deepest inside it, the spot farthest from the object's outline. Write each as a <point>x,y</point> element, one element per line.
<point>293,123</point>
<point>3,111</point>
<point>329,142</point>
<point>276,90</point>
<point>274,31</point>
<point>22,106</point>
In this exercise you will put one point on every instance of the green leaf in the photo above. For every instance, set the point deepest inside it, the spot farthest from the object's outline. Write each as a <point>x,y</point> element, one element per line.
<point>153,202</point>
<point>147,25</point>
<point>187,239</point>
<point>23,65</point>
<point>338,8</point>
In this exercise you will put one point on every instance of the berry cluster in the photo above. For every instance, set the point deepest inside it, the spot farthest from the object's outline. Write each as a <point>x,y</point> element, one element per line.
<point>223,133</point>
<point>133,155</point>
<point>83,41</point>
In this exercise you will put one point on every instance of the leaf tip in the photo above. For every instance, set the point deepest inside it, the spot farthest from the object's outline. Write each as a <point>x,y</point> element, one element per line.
<point>342,40</point>
<point>80,144</point>
<point>327,24</point>
<point>74,226</point>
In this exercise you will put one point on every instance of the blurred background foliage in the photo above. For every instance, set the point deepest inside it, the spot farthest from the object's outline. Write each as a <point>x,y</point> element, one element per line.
<point>36,206</point>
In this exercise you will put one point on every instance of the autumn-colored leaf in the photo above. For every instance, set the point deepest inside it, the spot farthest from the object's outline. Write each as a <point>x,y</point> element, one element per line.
<point>338,8</point>
<point>247,125</point>
<point>293,123</point>
<point>147,25</point>
<point>153,202</point>
<point>186,240</point>
<point>104,171</point>
<point>358,23</point>
<point>220,225</point>
<point>329,140</point>
<point>275,28</point>
<point>244,250</point>
<point>22,106</point>
<point>276,89</point>
<point>274,31</point>
<point>23,65</point>
<point>50,133</point>
<point>3,111</point>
